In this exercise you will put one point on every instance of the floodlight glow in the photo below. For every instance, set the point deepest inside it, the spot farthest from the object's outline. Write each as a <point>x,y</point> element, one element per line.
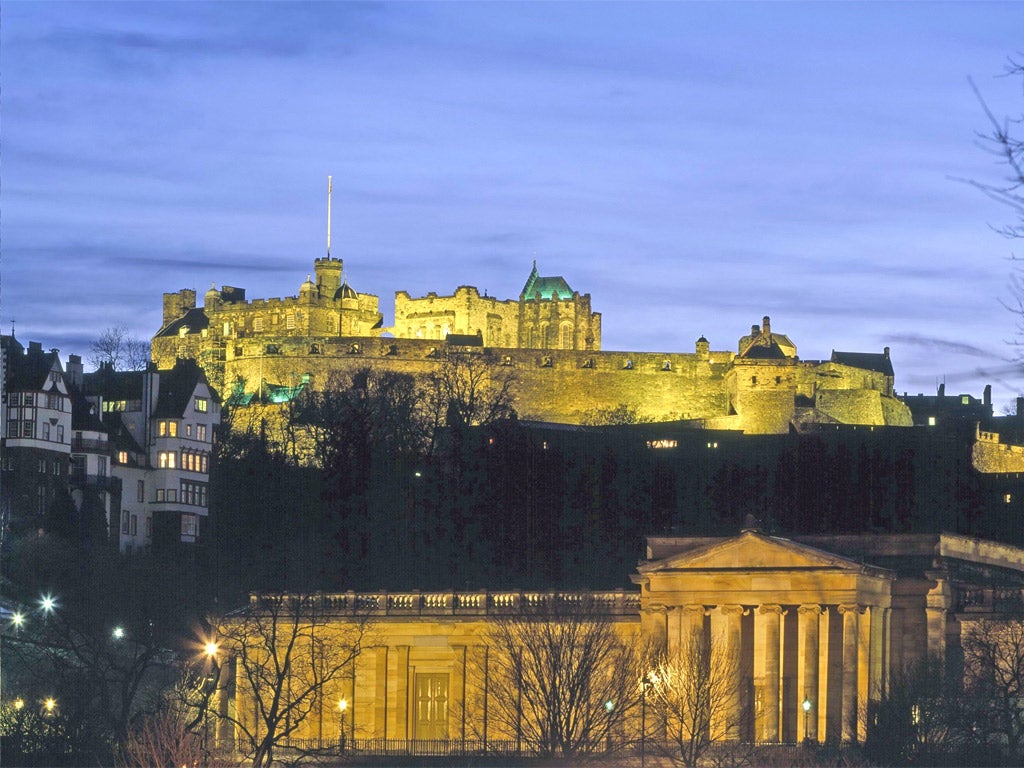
<point>118,633</point>
<point>211,649</point>
<point>47,603</point>
<point>343,705</point>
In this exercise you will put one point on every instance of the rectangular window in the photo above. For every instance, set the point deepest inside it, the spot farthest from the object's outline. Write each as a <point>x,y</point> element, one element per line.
<point>162,429</point>
<point>140,491</point>
<point>101,466</point>
<point>149,527</point>
<point>28,429</point>
<point>60,433</point>
<point>257,325</point>
<point>54,402</point>
<point>124,521</point>
<point>202,404</point>
<point>172,494</point>
<point>122,457</point>
<point>201,432</point>
<point>42,466</point>
<point>204,464</point>
<point>46,431</point>
<point>160,494</point>
<point>172,428</point>
<point>289,322</point>
<point>135,525</point>
<point>14,398</point>
<point>188,430</point>
<point>168,459</point>
<point>29,398</point>
<point>13,428</point>
<point>189,526</point>
<point>42,499</point>
<point>57,467</point>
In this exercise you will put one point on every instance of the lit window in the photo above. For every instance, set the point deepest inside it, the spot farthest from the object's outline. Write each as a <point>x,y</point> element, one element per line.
<point>188,430</point>
<point>168,459</point>
<point>965,400</point>
<point>201,432</point>
<point>160,494</point>
<point>122,457</point>
<point>202,404</point>
<point>662,444</point>
<point>1007,498</point>
<point>931,421</point>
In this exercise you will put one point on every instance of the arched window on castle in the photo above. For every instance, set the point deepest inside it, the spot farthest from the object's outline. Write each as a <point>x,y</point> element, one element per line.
<point>544,329</point>
<point>565,342</point>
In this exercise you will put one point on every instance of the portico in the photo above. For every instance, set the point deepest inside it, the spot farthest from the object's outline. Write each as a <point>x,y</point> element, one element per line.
<point>802,624</point>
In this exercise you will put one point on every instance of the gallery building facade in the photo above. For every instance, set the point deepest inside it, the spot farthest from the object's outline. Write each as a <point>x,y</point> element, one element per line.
<point>819,626</point>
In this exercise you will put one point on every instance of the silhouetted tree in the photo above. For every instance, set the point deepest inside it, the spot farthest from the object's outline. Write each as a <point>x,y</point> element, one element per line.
<point>118,348</point>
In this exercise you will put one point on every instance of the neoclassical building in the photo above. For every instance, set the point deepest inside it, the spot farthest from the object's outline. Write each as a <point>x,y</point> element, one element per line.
<point>820,625</point>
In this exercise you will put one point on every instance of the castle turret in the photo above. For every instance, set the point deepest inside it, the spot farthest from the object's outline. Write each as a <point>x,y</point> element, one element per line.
<point>212,297</point>
<point>703,348</point>
<point>328,276</point>
<point>177,304</point>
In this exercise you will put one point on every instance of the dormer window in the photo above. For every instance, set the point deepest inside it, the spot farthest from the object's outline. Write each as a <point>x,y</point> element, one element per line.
<point>202,404</point>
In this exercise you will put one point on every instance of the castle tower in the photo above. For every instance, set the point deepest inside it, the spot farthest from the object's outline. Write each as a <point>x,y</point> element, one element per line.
<point>328,276</point>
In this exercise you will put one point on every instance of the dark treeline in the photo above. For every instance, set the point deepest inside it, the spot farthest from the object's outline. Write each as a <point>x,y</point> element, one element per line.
<point>413,491</point>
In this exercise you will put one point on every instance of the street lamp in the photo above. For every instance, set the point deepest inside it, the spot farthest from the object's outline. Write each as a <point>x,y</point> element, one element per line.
<point>47,603</point>
<point>645,683</point>
<point>50,704</point>
<point>807,711</point>
<point>342,706</point>
<point>118,633</point>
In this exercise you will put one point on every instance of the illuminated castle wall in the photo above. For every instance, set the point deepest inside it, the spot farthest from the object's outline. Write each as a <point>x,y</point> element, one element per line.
<point>550,339</point>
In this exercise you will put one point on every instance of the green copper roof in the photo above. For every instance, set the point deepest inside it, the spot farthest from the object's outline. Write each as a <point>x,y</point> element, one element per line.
<point>547,288</point>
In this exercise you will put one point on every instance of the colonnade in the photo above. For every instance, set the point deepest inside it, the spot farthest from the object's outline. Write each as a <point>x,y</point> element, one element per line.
<point>802,671</point>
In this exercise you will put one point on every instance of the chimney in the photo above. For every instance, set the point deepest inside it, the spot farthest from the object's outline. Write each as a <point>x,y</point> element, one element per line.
<point>942,389</point>
<point>766,325</point>
<point>886,353</point>
<point>986,398</point>
<point>75,370</point>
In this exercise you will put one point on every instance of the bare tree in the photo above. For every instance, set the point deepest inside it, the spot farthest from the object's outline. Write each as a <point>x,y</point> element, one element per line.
<point>562,679</point>
<point>117,347</point>
<point>469,388</point>
<point>1004,139</point>
<point>693,695</point>
<point>994,681</point>
<point>290,656</point>
<point>163,738</point>
<point>620,414</point>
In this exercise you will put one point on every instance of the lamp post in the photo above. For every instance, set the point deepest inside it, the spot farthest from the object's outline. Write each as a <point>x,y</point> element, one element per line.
<point>807,711</point>
<point>342,706</point>
<point>645,683</point>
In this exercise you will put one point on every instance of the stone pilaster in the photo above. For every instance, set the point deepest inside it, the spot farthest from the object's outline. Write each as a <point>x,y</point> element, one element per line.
<point>732,616</point>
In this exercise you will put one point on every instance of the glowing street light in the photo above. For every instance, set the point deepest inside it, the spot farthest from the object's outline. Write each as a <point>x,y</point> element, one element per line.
<point>806,704</point>
<point>47,603</point>
<point>118,633</point>
<point>50,704</point>
<point>342,707</point>
<point>19,703</point>
<point>18,619</point>
<point>210,649</point>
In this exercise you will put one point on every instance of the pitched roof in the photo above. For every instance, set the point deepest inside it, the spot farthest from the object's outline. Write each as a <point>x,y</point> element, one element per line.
<point>869,361</point>
<point>195,320</point>
<point>113,385</point>
<point>27,371</point>
<point>547,288</point>
<point>176,388</point>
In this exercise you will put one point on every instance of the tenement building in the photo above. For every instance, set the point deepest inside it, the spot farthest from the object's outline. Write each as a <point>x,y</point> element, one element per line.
<point>548,342</point>
<point>818,628</point>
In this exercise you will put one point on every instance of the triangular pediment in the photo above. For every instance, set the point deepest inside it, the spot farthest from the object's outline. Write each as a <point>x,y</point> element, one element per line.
<point>751,550</point>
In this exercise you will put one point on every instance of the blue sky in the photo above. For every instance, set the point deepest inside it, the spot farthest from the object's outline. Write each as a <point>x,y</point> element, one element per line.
<point>692,166</point>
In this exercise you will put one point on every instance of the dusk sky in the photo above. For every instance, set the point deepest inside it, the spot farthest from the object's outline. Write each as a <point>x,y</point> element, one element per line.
<point>691,166</point>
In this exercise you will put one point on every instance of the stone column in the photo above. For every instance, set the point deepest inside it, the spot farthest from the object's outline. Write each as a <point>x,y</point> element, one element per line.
<point>772,615</point>
<point>809,618</point>
<point>400,685</point>
<point>380,694</point>
<point>692,622</point>
<point>851,655</point>
<point>939,602</point>
<point>732,614</point>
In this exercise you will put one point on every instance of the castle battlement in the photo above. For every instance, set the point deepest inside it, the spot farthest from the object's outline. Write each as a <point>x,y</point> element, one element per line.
<point>548,342</point>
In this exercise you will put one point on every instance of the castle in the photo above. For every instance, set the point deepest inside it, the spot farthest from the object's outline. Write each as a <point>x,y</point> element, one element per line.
<point>549,340</point>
